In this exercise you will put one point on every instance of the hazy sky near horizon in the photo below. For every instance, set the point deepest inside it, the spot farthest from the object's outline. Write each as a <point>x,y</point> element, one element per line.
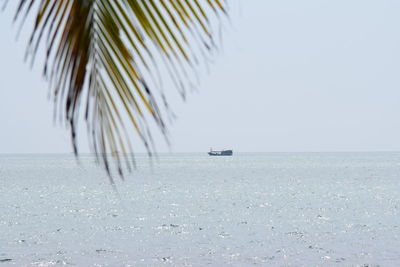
<point>310,75</point>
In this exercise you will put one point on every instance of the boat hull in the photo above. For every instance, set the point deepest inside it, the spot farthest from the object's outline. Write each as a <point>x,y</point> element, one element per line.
<point>221,153</point>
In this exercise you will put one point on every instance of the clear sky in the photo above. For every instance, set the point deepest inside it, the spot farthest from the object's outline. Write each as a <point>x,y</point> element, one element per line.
<point>310,75</point>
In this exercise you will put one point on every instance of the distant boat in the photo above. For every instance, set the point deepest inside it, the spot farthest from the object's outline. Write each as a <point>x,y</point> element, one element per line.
<point>220,153</point>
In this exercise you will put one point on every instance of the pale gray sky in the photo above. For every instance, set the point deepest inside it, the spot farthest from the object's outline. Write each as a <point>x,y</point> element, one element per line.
<point>310,75</point>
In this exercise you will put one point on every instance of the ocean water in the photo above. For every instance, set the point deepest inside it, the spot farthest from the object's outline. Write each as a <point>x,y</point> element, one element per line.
<point>288,209</point>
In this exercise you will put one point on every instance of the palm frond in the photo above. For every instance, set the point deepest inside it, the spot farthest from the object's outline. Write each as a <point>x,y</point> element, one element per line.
<point>105,55</point>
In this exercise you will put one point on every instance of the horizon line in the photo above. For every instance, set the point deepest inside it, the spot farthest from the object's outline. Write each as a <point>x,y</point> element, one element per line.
<point>187,152</point>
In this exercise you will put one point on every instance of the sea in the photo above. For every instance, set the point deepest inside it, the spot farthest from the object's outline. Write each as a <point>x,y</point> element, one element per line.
<point>252,209</point>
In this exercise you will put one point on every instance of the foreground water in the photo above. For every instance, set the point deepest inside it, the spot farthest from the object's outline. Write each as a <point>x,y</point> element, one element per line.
<point>337,209</point>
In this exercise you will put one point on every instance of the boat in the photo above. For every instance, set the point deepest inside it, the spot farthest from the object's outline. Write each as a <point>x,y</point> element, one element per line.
<point>220,153</point>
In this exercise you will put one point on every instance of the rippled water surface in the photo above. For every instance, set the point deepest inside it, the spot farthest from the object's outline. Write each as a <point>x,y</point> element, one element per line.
<point>316,209</point>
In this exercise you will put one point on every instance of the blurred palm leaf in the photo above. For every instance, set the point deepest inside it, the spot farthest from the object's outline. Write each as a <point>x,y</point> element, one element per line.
<point>105,55</point>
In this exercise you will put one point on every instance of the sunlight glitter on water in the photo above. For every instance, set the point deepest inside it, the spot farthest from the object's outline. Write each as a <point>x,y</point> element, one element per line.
<point>332,209</point>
